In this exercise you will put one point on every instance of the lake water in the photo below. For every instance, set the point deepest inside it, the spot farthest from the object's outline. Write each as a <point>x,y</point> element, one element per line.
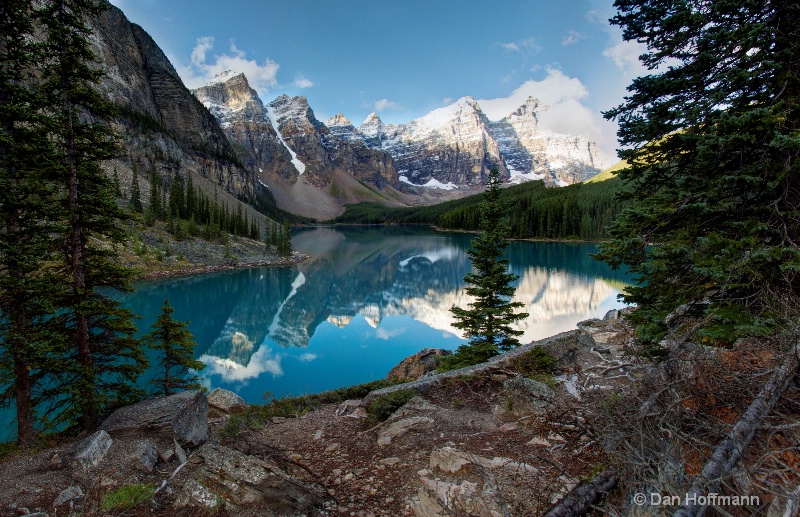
<point>368,298</point>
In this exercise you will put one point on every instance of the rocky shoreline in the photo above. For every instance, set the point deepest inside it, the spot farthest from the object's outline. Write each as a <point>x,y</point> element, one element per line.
<point>440,444</point>
<point>513,436</point>
<point>155,254</point>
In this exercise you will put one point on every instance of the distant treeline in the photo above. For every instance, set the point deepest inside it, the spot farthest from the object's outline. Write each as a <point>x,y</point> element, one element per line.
<point>580,211</point>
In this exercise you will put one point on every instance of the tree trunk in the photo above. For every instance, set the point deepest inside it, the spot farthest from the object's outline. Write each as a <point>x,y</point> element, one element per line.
<point>730,450</point>
<point>89,413</point>
<point>583,497</point>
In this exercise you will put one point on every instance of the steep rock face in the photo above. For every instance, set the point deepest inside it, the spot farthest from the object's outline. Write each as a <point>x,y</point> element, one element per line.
<point>285,137</point>
<point>303,134</point>
<point>349,152</point>
<point>243,116</point>
<point>164,128</point>
<point>449,145</point>
<point>535,153</point>
<point>458,145</point>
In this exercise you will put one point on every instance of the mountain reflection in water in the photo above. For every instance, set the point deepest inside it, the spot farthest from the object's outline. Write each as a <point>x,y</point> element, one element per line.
<point>369,297</point>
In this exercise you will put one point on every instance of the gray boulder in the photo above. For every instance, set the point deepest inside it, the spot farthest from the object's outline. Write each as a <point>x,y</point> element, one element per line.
<point>218,475</point>
<point>90,451</point>
<point>183,416</point>
<point>417,365</point>
<point>525,396</point>
<point>226,401</point>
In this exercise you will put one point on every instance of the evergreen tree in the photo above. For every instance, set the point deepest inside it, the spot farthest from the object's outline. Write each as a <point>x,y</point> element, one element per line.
<point>285,240</point>
<point>101,370</point>
<point>255,230</point>
<point>487,321</point>
<point>27,198</point>
<point>177,202</point>
<point>712,141</point>
<point>191,201</point>
<point>175,346</point>
<point>273,234</point>
<point>116,184</point>
<point>155,195</point>
<point>136,196</point>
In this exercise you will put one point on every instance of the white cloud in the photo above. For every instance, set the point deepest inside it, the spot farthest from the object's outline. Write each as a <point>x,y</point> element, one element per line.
<point>202,68</point>
<point>384,334</point>
<point>572,37</point>
<point>385,104</point>
<point>302,82</point>
<point>565,111</point>
<point>263,361</point>
<point>526,46</point>
<point>625,56</point>
<point>307,357</point>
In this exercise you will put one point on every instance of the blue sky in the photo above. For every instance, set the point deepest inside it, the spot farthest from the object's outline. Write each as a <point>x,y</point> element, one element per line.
<point>405,58</point>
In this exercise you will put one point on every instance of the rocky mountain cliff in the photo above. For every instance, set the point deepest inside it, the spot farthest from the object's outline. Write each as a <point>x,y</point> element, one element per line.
<point>308,168</point>
<point>531,152</point>
<point>457,145</point>
<point>449,146</point>
<point>298,157</point>
<point>163,127</point>
<point>225,133</point>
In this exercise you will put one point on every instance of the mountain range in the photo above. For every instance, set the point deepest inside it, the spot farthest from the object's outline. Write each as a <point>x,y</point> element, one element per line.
<point>229,139</point>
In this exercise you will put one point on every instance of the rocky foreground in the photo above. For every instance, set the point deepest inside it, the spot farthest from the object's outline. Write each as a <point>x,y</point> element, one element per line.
<point>494,439</point>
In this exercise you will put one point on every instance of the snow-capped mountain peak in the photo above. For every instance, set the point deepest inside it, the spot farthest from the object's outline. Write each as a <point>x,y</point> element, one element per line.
<point>223,77</point>
<point>338,120</point>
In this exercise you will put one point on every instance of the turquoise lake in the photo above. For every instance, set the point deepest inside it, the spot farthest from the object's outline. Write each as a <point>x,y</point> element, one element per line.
<point>369,297</point>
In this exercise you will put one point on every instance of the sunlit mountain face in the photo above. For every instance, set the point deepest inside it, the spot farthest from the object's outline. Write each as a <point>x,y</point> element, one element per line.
<point>370,297</point>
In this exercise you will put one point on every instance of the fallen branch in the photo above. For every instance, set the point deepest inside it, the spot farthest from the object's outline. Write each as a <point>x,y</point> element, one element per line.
<point>730,450</point>
<point>583,497</point>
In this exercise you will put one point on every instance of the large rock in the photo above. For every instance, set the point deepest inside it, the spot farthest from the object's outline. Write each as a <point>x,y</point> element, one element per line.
<point>461,483</point>
<point>398,428</point>
<point>226,401</point>
<point>217,476</point>
<point>183,416</point>
<point>524,396</point>
<point>91,450</point>
<point>417,365</point>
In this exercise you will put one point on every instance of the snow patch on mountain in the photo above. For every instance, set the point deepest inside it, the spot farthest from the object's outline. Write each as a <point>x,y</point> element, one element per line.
<point>222,77</point>
<point>432,183</point>
<point>273,119</point>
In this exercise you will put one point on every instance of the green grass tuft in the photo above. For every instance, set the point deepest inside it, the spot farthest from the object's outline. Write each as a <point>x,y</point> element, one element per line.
<point>127,496</point>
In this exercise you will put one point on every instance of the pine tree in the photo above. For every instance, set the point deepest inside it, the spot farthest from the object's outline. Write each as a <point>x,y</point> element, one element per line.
<point>155,195</point>
<point>285,240</point>
<point>191,201</point>
<point>487,321</point>
<point>136,196</point>
<point>116,184</point>
<point>175,346</point>
<point>273,234</point>
<point>712,141</point>
<point>27,213</point>
<point>101,370</point>
<point>177,202</point>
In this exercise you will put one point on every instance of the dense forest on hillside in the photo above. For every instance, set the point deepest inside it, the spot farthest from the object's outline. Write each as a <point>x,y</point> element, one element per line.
<point>580,211</point>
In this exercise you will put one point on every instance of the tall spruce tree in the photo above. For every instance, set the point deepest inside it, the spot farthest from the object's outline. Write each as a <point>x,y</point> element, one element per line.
<point>713,140</point>
<point>135,201</point>
<point>175,346</point>
<point>101,370</point>
<point>28,285</point>
<point>487,322</point>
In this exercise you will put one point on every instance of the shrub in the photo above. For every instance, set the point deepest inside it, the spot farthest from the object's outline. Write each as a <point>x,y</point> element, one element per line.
<point>382,407</point>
